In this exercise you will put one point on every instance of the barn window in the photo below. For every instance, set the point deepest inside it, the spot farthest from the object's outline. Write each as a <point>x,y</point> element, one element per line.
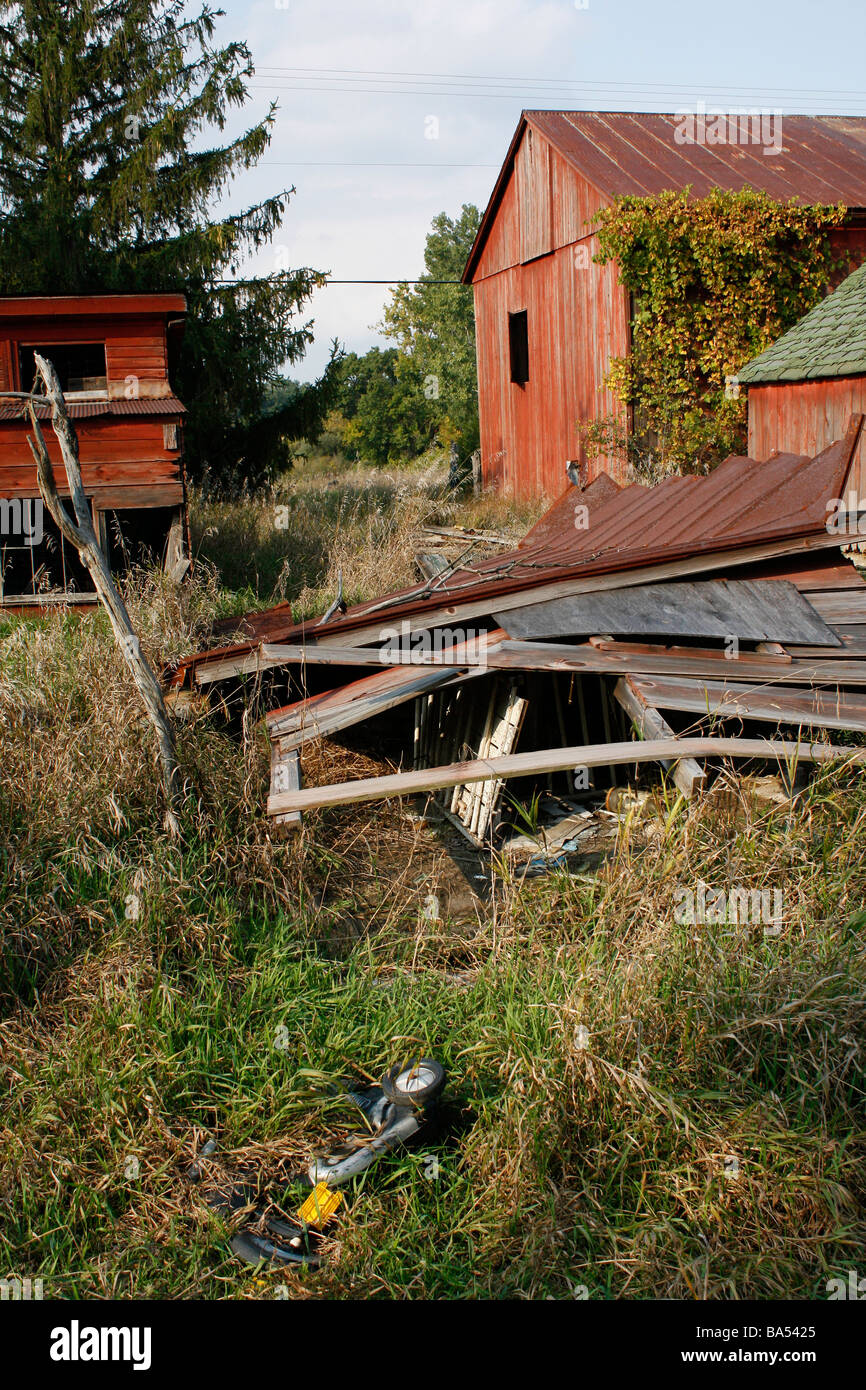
<point>80,366</point>
<point>518,347</point>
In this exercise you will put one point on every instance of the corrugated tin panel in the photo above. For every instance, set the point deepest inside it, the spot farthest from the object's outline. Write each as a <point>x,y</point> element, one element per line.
<point>740,505</point>
<point>87,410</point>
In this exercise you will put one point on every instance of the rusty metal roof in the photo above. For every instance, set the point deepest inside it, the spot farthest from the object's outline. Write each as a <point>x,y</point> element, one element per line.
<point>742,504</point>
<point>822,159</point>
<point>86,410</point>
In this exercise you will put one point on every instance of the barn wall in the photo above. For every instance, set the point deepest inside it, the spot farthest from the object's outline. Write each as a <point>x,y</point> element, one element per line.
<point>804,417</point>
<point>538,257</point>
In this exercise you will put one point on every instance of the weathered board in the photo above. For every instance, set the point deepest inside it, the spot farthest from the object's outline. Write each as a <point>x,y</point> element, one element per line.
<point>558,760</point>
<point>823,709</point>
<point>688,775</point>
<point>750,610</point>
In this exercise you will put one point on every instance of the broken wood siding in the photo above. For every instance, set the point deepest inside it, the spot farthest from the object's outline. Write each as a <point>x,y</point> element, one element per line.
<point>538,257</point>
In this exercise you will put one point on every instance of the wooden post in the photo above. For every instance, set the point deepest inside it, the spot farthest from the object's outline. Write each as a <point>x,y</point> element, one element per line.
<point>83,537</point>
<point>477,479</point>
<point>688,775</point>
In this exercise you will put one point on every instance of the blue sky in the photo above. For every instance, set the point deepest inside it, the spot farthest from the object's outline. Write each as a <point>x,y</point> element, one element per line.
<point>392,112</point>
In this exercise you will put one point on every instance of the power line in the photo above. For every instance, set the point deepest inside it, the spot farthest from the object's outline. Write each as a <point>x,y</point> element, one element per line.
<point>407,280</point>
<point>362,164</point>
<point>559,83</point>
<point>552,101</point>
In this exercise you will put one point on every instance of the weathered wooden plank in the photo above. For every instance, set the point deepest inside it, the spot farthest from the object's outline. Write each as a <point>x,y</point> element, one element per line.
<point>430,565</point>
<point>619,657</point>
<point>819,708</point>
<point>558,760</point>
<point>286,777</point>
<point>753,611</point>
<point>312,720</point>
<point>270,654</point>
<point>840,606</point>
<point>688,775</point>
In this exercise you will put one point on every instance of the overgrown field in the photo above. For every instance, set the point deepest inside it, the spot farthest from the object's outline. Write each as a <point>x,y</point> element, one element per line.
<point>638,1108</point>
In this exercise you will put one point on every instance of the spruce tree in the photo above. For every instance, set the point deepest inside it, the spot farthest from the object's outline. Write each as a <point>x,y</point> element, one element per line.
<point>105,186</point>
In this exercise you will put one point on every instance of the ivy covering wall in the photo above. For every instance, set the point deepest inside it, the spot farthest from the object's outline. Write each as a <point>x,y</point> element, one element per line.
<point>714,281</point>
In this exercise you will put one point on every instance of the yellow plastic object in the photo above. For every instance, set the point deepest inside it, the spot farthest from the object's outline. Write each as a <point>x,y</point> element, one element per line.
<point>320,1205</point>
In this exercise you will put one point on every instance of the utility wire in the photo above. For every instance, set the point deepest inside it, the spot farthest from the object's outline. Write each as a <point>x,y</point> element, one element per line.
<point>361,164</point>
<point>558,83</point>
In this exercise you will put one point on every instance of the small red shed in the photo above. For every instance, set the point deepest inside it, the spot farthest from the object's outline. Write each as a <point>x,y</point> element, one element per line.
<point>549,319</point>
<point>805,386</point>
<point>111,353</point>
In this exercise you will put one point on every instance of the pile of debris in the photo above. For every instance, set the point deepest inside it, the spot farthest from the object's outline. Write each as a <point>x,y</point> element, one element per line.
<point>724,598</point>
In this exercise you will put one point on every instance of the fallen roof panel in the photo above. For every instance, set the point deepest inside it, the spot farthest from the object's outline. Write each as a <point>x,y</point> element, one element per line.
<point>742,507</point>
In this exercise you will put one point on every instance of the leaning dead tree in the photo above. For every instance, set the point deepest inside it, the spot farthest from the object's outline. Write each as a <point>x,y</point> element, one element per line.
<point>81,534</point>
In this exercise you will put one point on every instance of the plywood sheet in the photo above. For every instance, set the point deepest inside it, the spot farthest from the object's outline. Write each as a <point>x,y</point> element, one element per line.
<point>752,611</point>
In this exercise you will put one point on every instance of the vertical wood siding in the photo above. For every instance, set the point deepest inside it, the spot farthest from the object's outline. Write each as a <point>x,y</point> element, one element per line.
<point>805,417</point>
<point>538,257</point>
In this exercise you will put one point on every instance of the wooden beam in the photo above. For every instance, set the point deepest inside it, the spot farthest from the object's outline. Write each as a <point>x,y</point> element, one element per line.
<point>688,775</point>
<point>596,657</point>
<point>286,777</point>
<point>556,760</point>
<point>820,709</point>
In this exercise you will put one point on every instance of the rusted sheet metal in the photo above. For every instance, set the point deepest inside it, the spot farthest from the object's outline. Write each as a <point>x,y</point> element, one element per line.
<point>573,511</point>
<point>740,505</point>
<point>818,162</point>
<point>87,410</point>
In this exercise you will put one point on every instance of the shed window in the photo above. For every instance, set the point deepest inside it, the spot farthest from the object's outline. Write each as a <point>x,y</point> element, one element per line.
<point>518,347</point>
<point>80,366</point>
<point>36,563</point>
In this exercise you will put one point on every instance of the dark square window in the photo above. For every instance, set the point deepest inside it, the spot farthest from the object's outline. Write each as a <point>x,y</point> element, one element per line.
<point>80,366</point>
<point>518,347</point>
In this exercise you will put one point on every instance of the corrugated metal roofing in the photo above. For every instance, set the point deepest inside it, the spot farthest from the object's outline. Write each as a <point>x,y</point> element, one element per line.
<point>741,504</point>
<point>821,159</point>
<point>829,341</point>
<point>86,410</point>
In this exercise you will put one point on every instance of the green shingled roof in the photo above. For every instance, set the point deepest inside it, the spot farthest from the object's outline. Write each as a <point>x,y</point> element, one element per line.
<point>829,341</point>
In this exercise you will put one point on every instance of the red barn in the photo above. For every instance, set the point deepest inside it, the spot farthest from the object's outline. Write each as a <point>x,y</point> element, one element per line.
<point>549,320</point>
<point>805,386</point>
<point>111,353</point>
